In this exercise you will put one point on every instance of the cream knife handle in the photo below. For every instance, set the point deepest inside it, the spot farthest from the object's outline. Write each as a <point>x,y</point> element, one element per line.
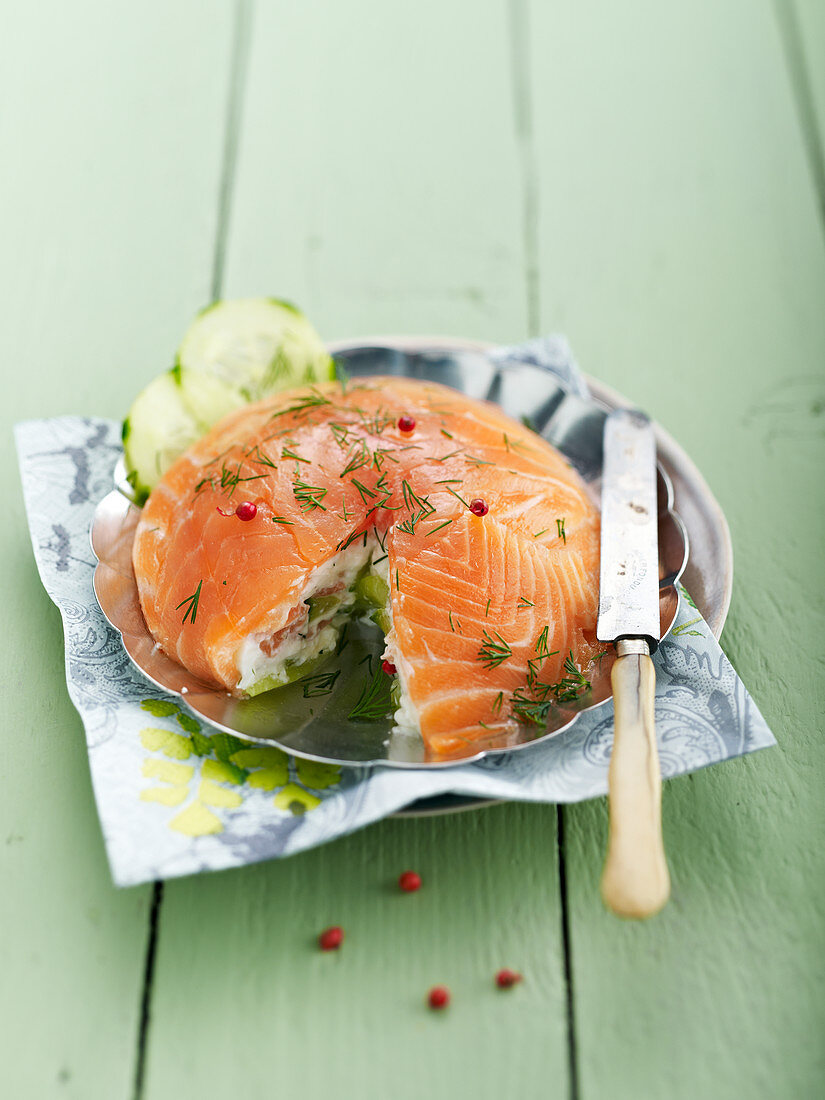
<point>635,880</point>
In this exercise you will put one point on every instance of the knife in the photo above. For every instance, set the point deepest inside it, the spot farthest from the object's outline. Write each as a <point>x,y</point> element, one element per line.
<point>635,880</point>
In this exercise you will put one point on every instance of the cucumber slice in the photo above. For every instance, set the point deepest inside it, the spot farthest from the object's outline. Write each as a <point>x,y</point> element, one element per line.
<point>174,410</point>
<point>257,346</point>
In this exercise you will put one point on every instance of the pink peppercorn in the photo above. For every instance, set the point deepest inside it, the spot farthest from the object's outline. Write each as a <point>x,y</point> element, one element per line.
<point>479,507</point>
<point>406,424</point>
<point>389,668</point>
<point>507,978</point>
<point>409,882</point>
<point>438,997</point>
<point>331,938</point>
<point>247,510</point>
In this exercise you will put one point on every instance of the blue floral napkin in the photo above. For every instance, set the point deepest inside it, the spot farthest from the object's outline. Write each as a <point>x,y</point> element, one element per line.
<point>176,796</point>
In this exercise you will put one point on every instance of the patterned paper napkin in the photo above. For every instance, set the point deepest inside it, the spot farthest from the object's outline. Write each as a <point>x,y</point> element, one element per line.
<point>176,796</point>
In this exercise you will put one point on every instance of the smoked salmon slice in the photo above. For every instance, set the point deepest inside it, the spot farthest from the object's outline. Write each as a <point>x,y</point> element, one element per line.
<point>272,530</point>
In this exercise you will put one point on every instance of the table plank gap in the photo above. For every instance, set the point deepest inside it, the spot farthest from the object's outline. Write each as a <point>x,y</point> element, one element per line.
<point>800,76</point>
<point>238,73</point>
<point>519,25</point>
<point>567,948</point>
<point>146,993</point>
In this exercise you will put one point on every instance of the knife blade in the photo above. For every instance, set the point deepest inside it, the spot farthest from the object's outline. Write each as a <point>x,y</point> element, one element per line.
<point>635,880</point>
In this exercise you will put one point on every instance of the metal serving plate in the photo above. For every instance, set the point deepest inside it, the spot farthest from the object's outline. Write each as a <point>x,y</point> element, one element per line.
<point>318,727</point>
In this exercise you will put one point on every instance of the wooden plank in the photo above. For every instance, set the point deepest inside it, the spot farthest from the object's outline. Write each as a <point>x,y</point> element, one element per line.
<point>802,28</point>
<point>111,123</point>
<point>378,166</point>
<point>279,1010</point>
<point>378,186</point>
<point>681,251</point>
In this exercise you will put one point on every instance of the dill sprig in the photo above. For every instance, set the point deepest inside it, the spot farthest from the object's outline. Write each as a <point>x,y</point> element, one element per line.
<point>358,456</point>
<point>287,452</point>
<point>365,493</point>
<point>499,702</point>
<point>375,700</point>
<point>321,684</point>
<point>524,602</point>
<point>538,534</point>
<point>478,461</point>
<point>560,529</point>
<point>284,520</point>
<point>493,650</point>
<point>309,496</point>
<point>191,604</point>
<point>313,400</point>
<point>256,455</point>
<point>457,496</point>
<point>532,704</point>
<point>340,433</point>
<point>439,527</point>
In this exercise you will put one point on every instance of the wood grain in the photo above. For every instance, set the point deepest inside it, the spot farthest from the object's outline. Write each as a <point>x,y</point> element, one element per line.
<point>681,251</point>
<point>377,185</point>
<point>111,130</point>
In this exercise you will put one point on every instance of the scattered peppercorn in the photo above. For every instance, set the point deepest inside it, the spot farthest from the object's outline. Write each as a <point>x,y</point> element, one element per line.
<point>246,511</point>
<point>409,881</point>
<point>406,424</point>
<point>331,938</point>
<point>507,978</point>
<point>438,997</point>
<point>479,507</point>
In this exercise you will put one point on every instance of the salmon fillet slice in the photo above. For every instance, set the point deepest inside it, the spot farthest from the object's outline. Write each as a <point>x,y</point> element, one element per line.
<point>478,613</point>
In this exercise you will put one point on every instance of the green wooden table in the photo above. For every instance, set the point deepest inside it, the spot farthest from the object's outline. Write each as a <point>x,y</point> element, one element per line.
<point>647,177</point>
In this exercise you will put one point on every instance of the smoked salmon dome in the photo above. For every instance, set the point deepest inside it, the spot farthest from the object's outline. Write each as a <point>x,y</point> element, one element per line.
<point>473,537</point>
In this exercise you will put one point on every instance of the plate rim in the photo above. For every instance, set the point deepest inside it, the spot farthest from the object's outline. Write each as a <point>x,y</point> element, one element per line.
<point>601,393</point>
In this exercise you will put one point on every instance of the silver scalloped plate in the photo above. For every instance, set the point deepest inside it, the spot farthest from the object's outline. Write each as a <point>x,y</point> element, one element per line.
<point>319,729</point>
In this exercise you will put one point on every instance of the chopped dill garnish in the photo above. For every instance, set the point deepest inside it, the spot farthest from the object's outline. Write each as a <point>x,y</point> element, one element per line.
<point>281,519</point>
<point>541,644</point>
<point>256,455</point>
<point>451,481</point>
<point>478,461</point>
<point>538,534</point>
<point>535,707</point>
<point>524,602</point>
<point>359,455</point>
<point>375,700</point>
<point>493,650</point>
<point>340,432</point>
<point>397,585</point>
<point>363,491</point>
<point>313,400</point>
<point>457,497</point>
<point>309,496</point>
<point>449,435</point>
<point>560,529</point>
<point>455,624</point>
<point>481,723</point>
<point>350,539</point>
<point>288,453</point>
<point>497,705</point>
<point>444,524</point>
<point>487,608</point>
<point>192,604</point>
<point>528,423</point>
<point>380,454</point>
<point>444,458</point>
<point>322,684</point>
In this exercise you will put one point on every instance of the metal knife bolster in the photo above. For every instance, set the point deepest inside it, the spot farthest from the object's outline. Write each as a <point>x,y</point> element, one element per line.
<point>629,574</point>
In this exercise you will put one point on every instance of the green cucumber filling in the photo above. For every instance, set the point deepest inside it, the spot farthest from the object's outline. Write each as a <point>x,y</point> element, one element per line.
<point>349,586</point>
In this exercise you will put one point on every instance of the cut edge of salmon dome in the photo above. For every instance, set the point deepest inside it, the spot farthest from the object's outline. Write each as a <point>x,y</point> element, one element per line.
<point>329,600</point>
